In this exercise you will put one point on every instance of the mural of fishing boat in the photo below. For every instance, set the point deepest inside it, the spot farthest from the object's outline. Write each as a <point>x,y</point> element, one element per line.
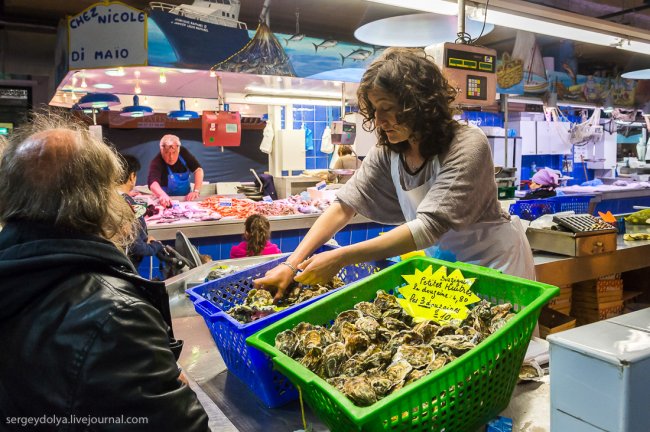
<point>526,48</point>
<point>205,24</point>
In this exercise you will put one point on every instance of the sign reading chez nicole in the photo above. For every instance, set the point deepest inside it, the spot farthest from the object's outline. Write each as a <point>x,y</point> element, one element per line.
<point>107,34</point>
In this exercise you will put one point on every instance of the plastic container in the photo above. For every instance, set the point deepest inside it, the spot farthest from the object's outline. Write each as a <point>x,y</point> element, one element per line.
<point>532,209</point>
<point>506,192</point>
<point>461,396</point>
<point>212,299</point>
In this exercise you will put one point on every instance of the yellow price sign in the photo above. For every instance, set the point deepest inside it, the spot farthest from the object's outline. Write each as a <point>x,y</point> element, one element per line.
<point>437,296</point>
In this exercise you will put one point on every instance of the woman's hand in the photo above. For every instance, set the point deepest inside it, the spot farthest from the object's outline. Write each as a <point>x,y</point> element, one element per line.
<point>276,280</point>
<point>320,268</point>
<point>164,200</point>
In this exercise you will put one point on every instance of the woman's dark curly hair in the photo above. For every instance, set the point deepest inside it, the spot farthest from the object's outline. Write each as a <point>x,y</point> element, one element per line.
<point>423,92</point>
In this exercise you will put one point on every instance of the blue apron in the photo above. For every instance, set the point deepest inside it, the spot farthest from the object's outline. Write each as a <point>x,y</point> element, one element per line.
<point>178,184</point>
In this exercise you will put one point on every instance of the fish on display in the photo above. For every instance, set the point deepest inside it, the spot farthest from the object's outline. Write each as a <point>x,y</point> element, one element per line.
<point>327,43</point>
<point>359,54</point>
<point>294,38</point>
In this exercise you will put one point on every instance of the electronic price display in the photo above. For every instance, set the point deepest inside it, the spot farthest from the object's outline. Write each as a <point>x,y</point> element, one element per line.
<point>471,69</point>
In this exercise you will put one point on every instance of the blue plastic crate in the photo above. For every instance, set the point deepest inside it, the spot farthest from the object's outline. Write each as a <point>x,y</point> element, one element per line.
<point>212,299</point>
<point>577,203</point>
<point>532,209</point>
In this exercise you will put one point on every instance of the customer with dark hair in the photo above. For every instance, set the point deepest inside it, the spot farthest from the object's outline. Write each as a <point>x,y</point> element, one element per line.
<point>347,161</point>
<point>143,245</point>
<point>429,174</point>
<point>83,336</point>
<point>257,235</point>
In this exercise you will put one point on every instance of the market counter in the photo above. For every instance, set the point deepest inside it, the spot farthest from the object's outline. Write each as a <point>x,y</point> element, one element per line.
<point>220,228</point>
<point>563,270</point>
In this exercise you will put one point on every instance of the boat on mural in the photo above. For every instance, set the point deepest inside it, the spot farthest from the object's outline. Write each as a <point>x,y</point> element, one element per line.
<point>534,76</point>
<point>212,25</point>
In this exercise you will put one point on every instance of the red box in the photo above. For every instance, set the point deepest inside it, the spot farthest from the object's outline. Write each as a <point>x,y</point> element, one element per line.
<point>221,128</point>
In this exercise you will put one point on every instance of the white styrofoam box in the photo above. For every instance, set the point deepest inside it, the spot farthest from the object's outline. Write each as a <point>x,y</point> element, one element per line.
<point>600,374</point>
<point>318,194</point>
<point>227,188</point>
<point>292,143</point>
<point>527,130</point>
<point>553,138</point>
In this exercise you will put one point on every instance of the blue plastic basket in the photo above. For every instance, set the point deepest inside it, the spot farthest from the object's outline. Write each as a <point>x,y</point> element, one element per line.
<point>532,209</point>
<point>212,299</point>
<point>577,203</point>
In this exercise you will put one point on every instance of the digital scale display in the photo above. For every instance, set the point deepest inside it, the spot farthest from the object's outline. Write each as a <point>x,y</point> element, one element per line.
<point>470,61</point>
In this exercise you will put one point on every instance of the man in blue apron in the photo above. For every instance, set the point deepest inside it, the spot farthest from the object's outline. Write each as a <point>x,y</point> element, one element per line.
<point>429,174</point>
<point>169,172</point>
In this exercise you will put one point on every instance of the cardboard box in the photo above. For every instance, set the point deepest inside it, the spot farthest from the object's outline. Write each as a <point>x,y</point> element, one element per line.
<point>599,376</point>
<point>588,313</point>
<point>553,321</point>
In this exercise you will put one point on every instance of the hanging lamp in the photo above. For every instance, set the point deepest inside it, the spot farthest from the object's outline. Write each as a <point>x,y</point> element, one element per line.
<point>98,100</point>
<point>183,114</point>
<point>136,110</point>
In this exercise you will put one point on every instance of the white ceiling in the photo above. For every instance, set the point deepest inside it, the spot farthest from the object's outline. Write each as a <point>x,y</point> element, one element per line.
<point>197,87</point>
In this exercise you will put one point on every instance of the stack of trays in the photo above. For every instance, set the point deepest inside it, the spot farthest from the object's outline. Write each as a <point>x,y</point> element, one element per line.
<point>251,192</point>
<point>562,303</point>
<point>597,300</point>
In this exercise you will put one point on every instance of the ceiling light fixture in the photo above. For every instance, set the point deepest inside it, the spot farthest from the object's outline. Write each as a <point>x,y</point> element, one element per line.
<point>637,74</point>
<point>136,110</point>
<point>103,86</point>
<point>98,100</point>
<point>183,114</point>
<point>295,92</point>
<point>212,73</point>
<point>137,89</point>
<point>286,100</point>
<point>162,79</point>
<point>83,82</point>
<point>119,72</point>
<point>521,15</point>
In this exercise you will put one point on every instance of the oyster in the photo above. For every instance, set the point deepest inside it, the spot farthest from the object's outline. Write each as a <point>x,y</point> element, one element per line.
<point>303,328</point>
<point>287,342</point>
<point>312,339</point>
<point>350,316</point>
<point>368,325</point>
<point>356,342</point>
<point>417,356</point>
<point>242,313</point>
<point>394,324</point>
<point>368,309</point>
<point>446,330</point>
<point>472,334</point>
<point>499,321</point>
<point>415,375</point>
<point>333,357</point>
<point>337,382</point>
<point>402,338</point>
<point>346,329</point>
<point>397,371</point>
<point>360,391</point>
<point>380,385</point>
<point>312,360</point>
<point>384,301</point>
<point>352,367</point>
<point>427,329</point>
<point>258,298</point>
<point>378,359</point>
<point>437,363</point>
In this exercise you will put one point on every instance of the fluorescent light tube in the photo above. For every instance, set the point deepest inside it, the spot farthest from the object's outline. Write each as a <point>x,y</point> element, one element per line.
<point>279,100</point>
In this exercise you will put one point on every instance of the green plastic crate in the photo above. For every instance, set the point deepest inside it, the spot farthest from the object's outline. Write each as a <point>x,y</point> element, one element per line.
<point>461,396</point>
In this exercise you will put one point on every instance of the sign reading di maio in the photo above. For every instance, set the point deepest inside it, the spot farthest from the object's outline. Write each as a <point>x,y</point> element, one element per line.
<point>107,34</point>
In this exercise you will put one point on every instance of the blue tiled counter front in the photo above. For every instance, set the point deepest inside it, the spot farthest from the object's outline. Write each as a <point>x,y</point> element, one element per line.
<point>217,237</point>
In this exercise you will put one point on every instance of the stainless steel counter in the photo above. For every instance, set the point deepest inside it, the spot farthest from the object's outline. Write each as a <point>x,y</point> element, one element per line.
<point>563,270</point>
<point>236,226</point>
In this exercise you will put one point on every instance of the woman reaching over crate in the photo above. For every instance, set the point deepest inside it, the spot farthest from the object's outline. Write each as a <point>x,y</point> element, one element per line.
<point>429,174</point>
<point>257,236</point>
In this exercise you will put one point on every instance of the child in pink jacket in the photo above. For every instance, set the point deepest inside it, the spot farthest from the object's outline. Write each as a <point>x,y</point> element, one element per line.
<point>257,232</point>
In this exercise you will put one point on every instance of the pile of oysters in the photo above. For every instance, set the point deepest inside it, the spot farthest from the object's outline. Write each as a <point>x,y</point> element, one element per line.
<point>377,348</point>
<point>259,303</point>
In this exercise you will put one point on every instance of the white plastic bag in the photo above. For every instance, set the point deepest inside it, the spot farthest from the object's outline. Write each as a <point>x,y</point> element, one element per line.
<point>326,145</point>
<point>267,140</point>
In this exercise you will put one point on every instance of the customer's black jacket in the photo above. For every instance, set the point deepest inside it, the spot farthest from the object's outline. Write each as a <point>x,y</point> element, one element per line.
<point>82,336</point>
